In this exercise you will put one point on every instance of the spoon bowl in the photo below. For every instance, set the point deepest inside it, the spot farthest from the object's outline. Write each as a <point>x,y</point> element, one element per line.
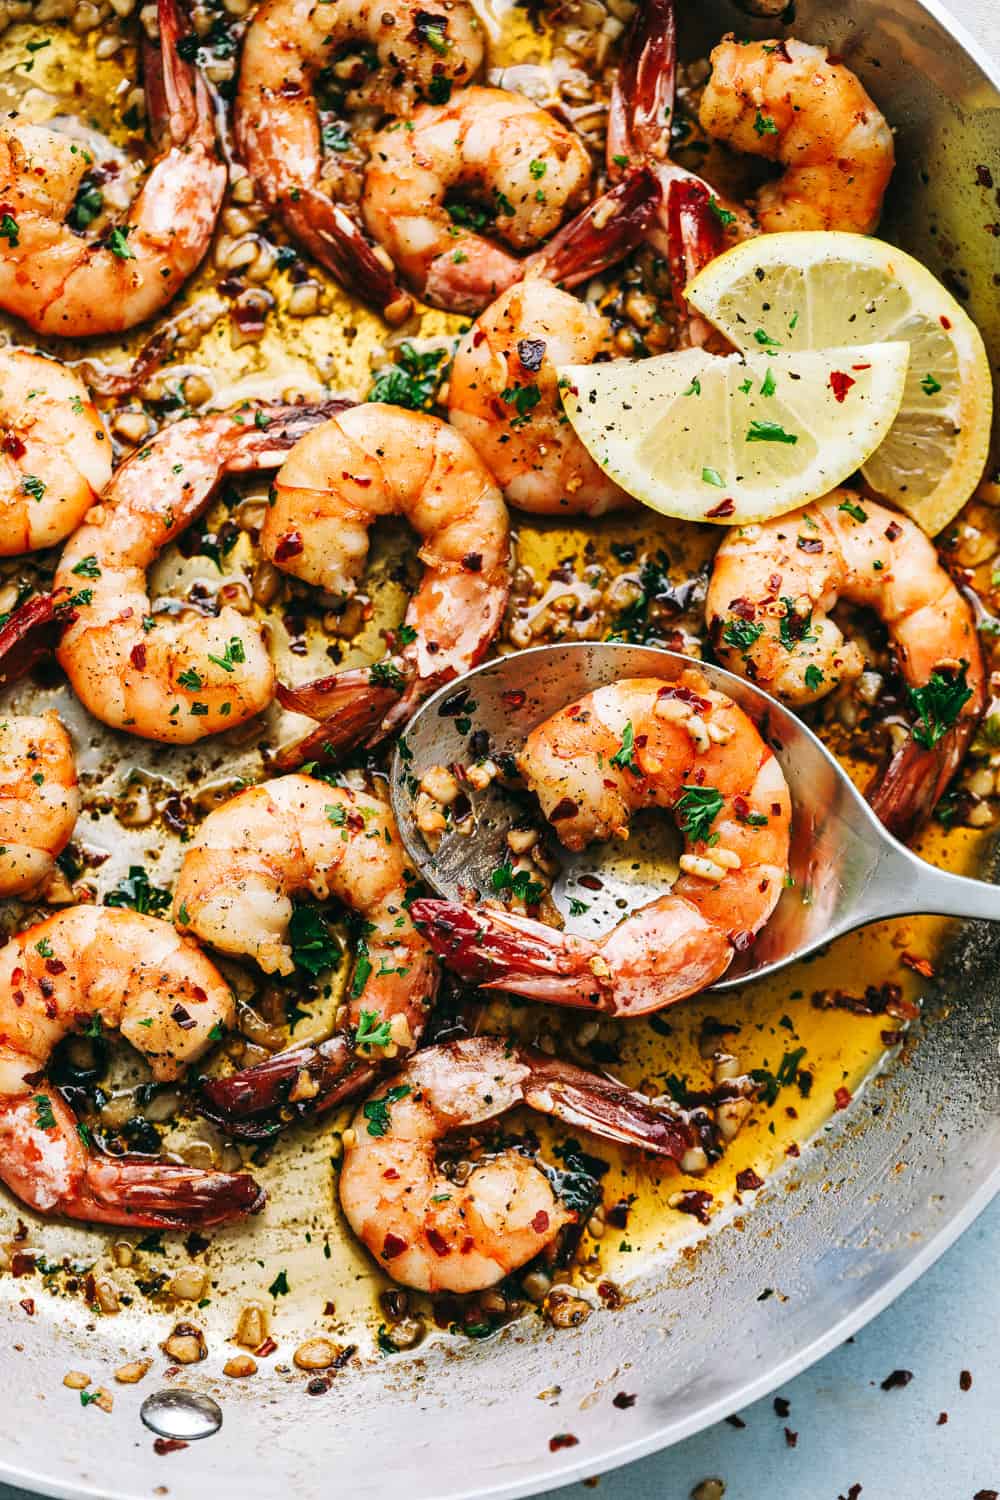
<point>845,869</point>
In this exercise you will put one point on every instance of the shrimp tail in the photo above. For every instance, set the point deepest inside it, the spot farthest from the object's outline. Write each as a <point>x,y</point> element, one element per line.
<point>31,633</point>
<point>498,950</point>
<point>604,1106</point>
<point>604,233</point>
<point>179,106</point>
<point>642,100</point>
<point>348,707</point>
<point>247,1104</point>
<point>278,425</point>
<point>905,792</point>
<point>340,244</point>
<point>164,1195</point>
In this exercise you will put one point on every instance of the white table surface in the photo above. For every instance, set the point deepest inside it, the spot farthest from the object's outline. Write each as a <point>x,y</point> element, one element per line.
<point>850,1431</point>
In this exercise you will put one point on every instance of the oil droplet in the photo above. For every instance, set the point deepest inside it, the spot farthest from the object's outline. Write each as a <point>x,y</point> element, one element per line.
<point>181,1414</point>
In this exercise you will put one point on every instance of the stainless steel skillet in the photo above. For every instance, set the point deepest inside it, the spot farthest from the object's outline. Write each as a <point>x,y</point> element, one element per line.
<point>875,1200</point>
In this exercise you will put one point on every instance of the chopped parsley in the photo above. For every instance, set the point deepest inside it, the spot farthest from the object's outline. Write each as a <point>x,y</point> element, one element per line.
<point>87,567</point>
<point>519,883</point>
<point>764,125</point>
<point>930,386</point>
<point>118,243</point>
<point>939,703</point>
<point>624,756</point>
<point>814,678</point>
<point>376,1111</point>
<point>765,339</point>
<point>699,806</point>
<point>314,949</point>
<point>712,476</point>
<point>742,634</point>
<point>769,432</point>
<point>371,1032</point>
<point>33,486</point>
<point>44,1117</point>
<point>523,398</point>
<point>414,379</point>
<point>279,1286</point>
<point>770,385</point>
<point>793,627</point>
<point>853,509</point>
<point>234,653</point>
<point>134,891</point>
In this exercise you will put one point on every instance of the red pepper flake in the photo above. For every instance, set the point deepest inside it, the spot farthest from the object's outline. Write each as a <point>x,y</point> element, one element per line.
<point>782,1406</point>
<point>514,698</point>
<point>13,445</point>
<point>623,1402</point>
<point>792,1150</point>
<point>840,384</point>
<point>946,325</point>
<point>841,1097</point>
<point>983,1494</point>
<point>735,1421</point>
<point>361,480</point>
<point>891,1038</point>
<point>942,1419</point>
<point>392,1246</point>
<point>137,656</point>
<point>540,1222</point>
<point>54,966</point>
<point>472,562</point>
<point>28,1303</point>
<point>531,352</point>
<point>919,965</point>
<point>267,1347</point>
<point>694,1201</point>
<point>747,1181</point>
<point>809,544</point>
<point>791,1438</point>
<point>965,1380</point>
<point>617,1214</point>
<point>861,367</point>
<point>290,545</point>
<point>478,337</point>
<point>390,1174</point>
<point>611,1295</point>
<point>897,1379</point>
<point>567,808</point>
<point>724,508</point>
<point>893,531</point>
<point>163,1446</point>
<point>183,1017</point>
<point>562,1440</point>
<point>437,1242</point>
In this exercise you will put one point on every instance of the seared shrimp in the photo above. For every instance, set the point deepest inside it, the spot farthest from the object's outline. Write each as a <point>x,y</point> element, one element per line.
<point>431,1231</point>
<point>249,858</point>
<point>158,675</point>
<point>93,967</point>
<point>55,456</point>
<point>792,104</point>
<point>380,460</point>
<point>39,799</point>
<point>640,743</point>
<point>503,394</point>
<point>499,147</point>
<point>60,283</point>
<point>418,54</point>
<point>768,606</point>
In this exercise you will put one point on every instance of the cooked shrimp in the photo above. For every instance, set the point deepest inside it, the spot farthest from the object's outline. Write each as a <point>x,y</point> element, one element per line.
<point>55,456</point>
<point>380,460</point>
<point>768,610</point>
<point>432,1231</point>
<point>39,800</point>
<point>417,54</point>
<point>640,743</point>
<point>89,968</point>
<point>248,860</point>
<point>60,283</point>
<point>503,394</point>
<point>792,104</point>
<point>527,167</point>
<point>156,674</point>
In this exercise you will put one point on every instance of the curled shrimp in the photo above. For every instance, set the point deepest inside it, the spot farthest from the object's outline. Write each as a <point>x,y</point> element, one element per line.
<point>152,673</point>
<point>640,743</point>
<point>528,168</point>
<point>248,860</point>
<point>768,610</point>
<point>39,799</point>
<point>96,967</point>
<point>380,460</point>
<point>55,456</point>
<point>795,105</point>
<point>419,54</point>
<point>61,283</point>
<point>430,1231</point>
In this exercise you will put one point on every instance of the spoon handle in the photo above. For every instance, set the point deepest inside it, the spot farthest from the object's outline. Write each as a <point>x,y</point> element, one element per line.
<point>915,886</point>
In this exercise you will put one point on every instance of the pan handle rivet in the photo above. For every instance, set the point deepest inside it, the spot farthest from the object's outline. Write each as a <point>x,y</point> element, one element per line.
<point>181,1414</point>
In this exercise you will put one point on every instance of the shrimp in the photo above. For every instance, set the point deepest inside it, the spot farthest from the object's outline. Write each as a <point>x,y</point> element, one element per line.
<point>378,460</point>
<point>89,968</point>
<point>55,456</point>
<point>39,799</point>
<point>768,605</point>
<point>795,105</point>
<point>158,675</point>
<point>419,54</point>
<point>527,167</point>
<point>62,284</point>
<point>640,743</point>
<point>235,890</point>
<point>503,395</point>
<point>431,1231</point>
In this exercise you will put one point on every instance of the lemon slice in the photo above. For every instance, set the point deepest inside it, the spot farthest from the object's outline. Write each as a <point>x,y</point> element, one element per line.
<point>740,438</point>
<point>813,289</point>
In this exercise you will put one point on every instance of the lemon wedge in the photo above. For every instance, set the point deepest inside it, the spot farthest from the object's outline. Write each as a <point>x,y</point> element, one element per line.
<point>737,438</point>
<point>814,289</point>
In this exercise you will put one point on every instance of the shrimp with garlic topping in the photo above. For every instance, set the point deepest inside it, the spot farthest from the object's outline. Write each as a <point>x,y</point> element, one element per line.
<point>683,747</point>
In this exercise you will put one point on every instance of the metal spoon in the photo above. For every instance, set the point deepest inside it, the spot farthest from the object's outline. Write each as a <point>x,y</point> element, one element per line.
<point>847,869</point>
